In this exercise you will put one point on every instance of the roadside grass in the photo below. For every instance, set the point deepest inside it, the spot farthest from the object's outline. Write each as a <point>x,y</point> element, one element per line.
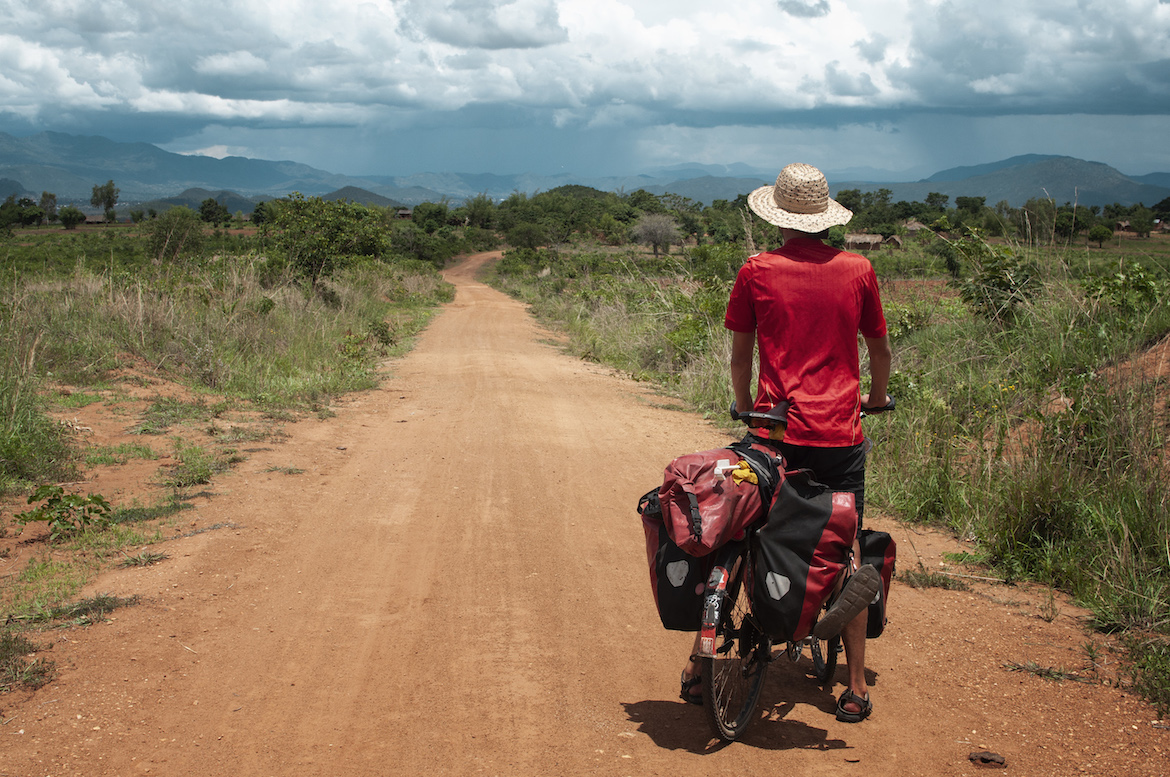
<point>19,664</point>
<point>113,455</point>
<point>143,558</point>
<point>1018,424</point>
<point>235,325</point>
<point>196,465</point>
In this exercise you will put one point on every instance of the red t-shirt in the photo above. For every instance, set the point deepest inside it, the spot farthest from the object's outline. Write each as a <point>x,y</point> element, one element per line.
<point>806,303</point>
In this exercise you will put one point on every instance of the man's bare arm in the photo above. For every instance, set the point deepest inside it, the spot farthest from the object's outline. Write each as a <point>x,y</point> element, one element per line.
<point>880,357</point>
<point>743,351</point>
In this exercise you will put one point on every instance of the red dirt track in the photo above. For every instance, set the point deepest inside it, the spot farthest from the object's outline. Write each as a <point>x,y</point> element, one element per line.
<point>457,585</point>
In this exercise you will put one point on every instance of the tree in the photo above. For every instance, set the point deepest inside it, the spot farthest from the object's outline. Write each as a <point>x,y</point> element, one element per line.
<point>481,212</point>
<point>526,235</point>
<point>29,213</point>
<point>262,213</point>
<point>1099,234</point>
<point>317,235</point>
<point>49,206</point>
<point>429,216</point>
<point>213,212</point>
<point>937,201</point>
<point>972,205</point>
<point>70,217</point>
<point>1141,220</point>
<point>105,196</point>
<point>176,232</point>
<point>658,230</point>
<point>850,198</point>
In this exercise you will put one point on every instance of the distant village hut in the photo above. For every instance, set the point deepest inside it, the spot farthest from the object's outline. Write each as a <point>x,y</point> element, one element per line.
<point>860,242</point>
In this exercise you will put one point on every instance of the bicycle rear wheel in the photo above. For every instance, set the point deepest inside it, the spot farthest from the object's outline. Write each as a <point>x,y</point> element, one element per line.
<point>735,676</point>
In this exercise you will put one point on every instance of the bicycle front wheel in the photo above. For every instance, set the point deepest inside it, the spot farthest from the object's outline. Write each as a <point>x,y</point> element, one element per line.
<point>824,658</point>
<point>735,675</point>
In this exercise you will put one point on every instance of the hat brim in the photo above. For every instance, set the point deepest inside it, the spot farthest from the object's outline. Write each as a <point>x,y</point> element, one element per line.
<point>763,203</point>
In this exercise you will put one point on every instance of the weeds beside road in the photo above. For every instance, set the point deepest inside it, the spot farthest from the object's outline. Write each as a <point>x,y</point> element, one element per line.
<point>88,318</point>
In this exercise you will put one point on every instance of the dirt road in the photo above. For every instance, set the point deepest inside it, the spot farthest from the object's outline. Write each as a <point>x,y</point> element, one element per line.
<point>456,585</point>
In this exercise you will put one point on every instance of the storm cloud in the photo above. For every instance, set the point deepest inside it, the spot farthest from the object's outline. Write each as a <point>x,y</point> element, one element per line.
<point>397,86</point>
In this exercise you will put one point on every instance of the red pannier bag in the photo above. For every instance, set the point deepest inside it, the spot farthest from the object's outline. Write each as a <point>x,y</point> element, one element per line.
<point>711,497</point>
<point>800,550</point>
<point>878,548</point>
<point>677,579</point>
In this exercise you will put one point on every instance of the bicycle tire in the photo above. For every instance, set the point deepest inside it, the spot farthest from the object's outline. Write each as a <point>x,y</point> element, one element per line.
<point>734,678</point>
<point>824,658</point>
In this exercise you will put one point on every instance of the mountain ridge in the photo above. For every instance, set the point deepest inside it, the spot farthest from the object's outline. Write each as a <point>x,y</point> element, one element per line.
<point>70,165</point>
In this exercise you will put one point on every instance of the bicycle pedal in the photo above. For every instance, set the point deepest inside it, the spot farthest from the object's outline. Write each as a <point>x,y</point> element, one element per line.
<point>859,591</point>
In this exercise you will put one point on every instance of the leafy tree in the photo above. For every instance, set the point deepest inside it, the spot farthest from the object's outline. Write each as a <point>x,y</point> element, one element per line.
<point>1065,224</point>
<point>972,205</point>
<point>29,213</point>
<point>481,212</point>
<point>645,202</point>
<point>1035,221</point>
<point>316,235</point>
<point>657,229</point>
<point>105,196</point>
<point>49,206</point>
<point>137,216</point>
<point>850,198</point>
<point>429,216</point>
<point>1099,233</point>
<point>1162,210</point>
<point>174,234</point>
<point>937,201</point>
<point>262,213</point>
<point>213,212</point>
<point>1141,220</point>
<point>70,217</point>
<point>527,235</point>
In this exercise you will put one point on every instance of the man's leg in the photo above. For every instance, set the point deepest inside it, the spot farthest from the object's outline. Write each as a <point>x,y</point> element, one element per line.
<point>853,638</point>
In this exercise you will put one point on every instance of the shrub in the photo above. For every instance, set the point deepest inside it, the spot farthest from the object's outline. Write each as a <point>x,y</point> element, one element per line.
<point>67,513</point>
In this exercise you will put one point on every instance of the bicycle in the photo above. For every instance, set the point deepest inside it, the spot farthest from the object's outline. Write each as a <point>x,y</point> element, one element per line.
<point>734,649</point>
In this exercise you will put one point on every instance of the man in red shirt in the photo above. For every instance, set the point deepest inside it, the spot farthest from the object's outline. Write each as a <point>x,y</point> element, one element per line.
<point>803,307</point>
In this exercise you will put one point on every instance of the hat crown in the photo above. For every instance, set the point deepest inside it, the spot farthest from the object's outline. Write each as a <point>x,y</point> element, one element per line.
<point>801,188</point>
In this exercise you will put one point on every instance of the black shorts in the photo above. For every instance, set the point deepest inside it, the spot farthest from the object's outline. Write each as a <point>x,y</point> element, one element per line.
<point>841,469</point>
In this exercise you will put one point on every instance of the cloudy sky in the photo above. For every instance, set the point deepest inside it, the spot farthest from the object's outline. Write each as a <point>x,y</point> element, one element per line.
<point>597,87</point>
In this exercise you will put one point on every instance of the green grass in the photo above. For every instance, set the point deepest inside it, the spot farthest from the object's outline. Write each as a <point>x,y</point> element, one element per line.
<point>166,412</point>
<point>196,466</point>
<point>17,669</point>
<point>144,558</point>
<point>925,578</point>
<point>137,513</point>
<point>113,455</point>
<point>76,399</point>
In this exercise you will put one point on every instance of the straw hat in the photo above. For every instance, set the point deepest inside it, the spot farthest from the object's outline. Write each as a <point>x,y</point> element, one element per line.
<point>799,200</point>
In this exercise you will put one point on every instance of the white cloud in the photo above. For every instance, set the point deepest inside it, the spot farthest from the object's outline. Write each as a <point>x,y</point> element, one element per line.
<point>576,65</point>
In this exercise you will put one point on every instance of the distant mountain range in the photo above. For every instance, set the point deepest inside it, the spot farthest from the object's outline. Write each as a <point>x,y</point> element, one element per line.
<point>70,165</point>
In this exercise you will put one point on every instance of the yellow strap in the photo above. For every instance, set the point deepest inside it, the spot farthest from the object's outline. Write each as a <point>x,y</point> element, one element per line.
<point>743,471</point>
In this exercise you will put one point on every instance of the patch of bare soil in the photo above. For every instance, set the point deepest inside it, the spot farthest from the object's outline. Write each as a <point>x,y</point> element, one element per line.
<point>455,583</point>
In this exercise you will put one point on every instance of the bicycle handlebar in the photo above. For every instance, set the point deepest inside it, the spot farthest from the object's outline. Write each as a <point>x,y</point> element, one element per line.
<point>778,415</point>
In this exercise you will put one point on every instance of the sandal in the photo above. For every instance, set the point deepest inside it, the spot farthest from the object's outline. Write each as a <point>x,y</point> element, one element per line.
<point>685,692</point>
<point>865,706</point>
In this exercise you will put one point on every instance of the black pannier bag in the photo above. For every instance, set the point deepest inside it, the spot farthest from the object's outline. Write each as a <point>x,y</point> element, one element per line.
<point>677,579</point>
<point>878,548</point>
<point>800,550</point>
